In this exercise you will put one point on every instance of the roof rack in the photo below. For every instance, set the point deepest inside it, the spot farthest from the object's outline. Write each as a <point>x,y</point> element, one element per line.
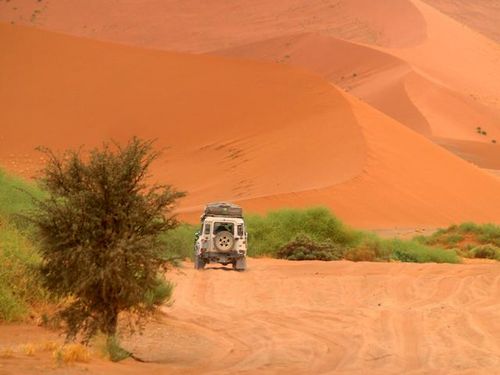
<point>222,209</point>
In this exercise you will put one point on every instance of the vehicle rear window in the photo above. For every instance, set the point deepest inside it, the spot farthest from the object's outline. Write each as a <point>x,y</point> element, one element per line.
<point>240,230</point>
<point>220,227</point>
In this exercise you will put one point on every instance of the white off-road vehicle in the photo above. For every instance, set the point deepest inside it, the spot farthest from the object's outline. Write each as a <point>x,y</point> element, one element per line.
<point>222,237</point>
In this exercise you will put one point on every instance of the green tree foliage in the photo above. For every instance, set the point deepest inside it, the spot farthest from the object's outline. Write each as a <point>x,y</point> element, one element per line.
<point>99,228</point>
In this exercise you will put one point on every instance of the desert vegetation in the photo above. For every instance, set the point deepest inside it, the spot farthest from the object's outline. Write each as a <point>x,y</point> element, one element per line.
<point>308,234</point>
<point>20,287</point>
<point>98,235</point>
<point>315,234</point>
<point>87,241</point>
<point>292,234</point>
<point>469,240</point>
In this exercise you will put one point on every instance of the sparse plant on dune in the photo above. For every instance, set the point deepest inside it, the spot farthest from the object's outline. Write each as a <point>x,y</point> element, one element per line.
<point>99,233</point>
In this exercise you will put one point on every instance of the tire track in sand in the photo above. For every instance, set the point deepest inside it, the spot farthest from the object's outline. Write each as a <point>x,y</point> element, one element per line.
<point>339,317</point>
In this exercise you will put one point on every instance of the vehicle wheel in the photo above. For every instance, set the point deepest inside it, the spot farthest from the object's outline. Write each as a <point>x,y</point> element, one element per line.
<point>199,263</point>
<point>240,264</point>
<point>224,241</point>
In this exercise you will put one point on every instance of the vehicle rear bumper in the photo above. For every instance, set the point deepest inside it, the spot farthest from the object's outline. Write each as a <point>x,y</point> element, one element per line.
<point>222,257</point>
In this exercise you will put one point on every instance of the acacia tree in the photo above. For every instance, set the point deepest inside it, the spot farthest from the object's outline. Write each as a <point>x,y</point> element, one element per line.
<point>99,228</point>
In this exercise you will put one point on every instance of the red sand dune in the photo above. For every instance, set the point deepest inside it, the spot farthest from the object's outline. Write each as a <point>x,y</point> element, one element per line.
<point>373,76</point>
<point>199,26</point>
<point>390,85</point>
<point>266,135</point>
<point>480,15</point>
<point>384,81</point>
<point>407,67</point>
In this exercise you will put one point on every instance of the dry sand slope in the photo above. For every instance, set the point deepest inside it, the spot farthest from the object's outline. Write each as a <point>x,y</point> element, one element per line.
<point>310,317</point>
<point>265,135</point>
<point>396,55</point>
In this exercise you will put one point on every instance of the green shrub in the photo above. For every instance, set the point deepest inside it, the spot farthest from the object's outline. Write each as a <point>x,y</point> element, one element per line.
<point>378,246</point>
<point>16,199</point>
<point>486,252</point>
<point>19,259</point>
<point>464,237</point>
<point>161,294</point>
<point>304,247</point>
<point>267,234</point>
<point>11,307</point>
<point>19,282</point>
<point>179,242</point>
<point>413,251</point>
<point>453,239</point>
<point>98,232</point>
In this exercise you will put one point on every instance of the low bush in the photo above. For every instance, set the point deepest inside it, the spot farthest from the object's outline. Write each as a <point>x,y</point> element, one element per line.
<point>20,286</point>
<point>413,251</point>
<point>304,247</point>
<point>267,234</point>
<point>15,199</point>
<point>179,242</point>
<point>161,294</point>
<point>463,237</point>
<point>486,252</point>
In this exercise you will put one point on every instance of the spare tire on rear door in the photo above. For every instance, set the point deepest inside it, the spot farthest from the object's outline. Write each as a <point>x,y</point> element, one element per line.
<point>224,241</point>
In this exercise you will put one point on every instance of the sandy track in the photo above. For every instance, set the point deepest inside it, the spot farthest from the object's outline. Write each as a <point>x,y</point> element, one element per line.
<point>311,317</point>
<point>339,317</point>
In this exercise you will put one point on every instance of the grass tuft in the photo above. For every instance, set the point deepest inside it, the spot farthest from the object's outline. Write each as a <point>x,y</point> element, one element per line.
<point>7,353</point>
<point>71,353</point>
<point>29,349</point>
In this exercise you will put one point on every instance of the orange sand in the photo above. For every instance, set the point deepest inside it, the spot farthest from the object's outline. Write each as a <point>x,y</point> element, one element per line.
<point>408,66</point>
<point>265,135</point>
<point>284,317</point>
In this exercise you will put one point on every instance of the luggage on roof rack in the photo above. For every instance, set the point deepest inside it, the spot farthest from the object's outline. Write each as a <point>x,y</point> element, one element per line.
<point>223,209</point>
